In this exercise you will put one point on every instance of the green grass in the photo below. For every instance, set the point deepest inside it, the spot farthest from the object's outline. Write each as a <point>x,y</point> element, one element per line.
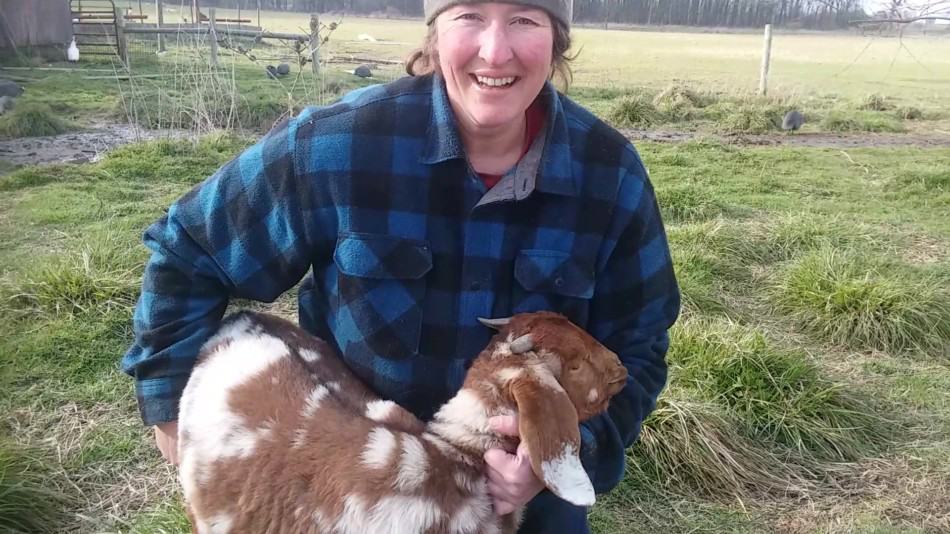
<point>849,300</point>
<point>28,504</point>
<point>777,395</point>
<point>32,120</point>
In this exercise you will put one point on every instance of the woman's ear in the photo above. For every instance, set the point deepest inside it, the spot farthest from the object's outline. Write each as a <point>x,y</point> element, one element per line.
<point>547,423</point>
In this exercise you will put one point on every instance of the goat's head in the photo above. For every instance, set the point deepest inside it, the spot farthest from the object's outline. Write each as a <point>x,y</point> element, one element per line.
<point>557,375</point>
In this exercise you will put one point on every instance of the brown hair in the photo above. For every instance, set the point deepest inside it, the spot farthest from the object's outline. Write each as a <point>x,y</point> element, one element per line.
<point>425,60</point>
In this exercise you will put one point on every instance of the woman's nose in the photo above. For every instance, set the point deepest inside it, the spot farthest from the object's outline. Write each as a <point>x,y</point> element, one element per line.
<point>495,48</point>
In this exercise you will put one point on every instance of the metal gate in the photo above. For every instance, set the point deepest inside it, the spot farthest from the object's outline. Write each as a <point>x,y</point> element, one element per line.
<point>95,27</point>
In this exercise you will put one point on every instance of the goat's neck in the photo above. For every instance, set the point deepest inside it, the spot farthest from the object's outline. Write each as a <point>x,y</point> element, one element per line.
<point>463,420</point>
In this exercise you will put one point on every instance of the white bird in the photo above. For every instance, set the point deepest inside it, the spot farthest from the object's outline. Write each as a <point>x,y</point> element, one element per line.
<point>72,54</point>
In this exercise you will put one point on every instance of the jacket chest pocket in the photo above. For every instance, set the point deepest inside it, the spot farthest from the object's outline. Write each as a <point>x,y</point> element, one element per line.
<point>553,280</point>
<point>380,287</point>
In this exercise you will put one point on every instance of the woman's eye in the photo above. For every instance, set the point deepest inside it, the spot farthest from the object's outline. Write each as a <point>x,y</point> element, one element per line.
<point>467,16</point>
<point>526,21</point>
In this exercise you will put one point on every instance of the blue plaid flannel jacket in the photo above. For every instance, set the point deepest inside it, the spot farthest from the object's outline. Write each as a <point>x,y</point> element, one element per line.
<point>406,249</point>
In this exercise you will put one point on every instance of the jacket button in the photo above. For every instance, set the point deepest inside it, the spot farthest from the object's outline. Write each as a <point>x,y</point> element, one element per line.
<point>558,282</point>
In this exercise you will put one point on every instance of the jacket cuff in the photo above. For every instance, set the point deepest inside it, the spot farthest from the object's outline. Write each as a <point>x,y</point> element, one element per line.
<point>158,398</point>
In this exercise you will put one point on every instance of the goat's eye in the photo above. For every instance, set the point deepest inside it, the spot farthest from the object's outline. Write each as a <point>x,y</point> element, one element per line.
<point>574,368</point>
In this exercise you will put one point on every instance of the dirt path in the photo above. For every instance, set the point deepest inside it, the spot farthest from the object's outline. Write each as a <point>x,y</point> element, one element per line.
<point>77,147</point>
<point>90,145</point>
<point>815,140</point>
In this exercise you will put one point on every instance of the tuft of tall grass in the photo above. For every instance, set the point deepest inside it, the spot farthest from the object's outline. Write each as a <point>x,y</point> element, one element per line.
<point>868,121</point>
<point>32,119</point>
<point>691,446</point>
<point>848,300</point>
<point>28,502</point>
<point>634,110</point>
<point>909,113</point>
<point>875,102</point>
<point>102,274</point>
<point>777,396</point>
<point>748,118</point>
<point>678,102</point>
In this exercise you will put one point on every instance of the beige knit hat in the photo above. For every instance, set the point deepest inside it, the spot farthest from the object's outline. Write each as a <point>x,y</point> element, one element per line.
<point>561,10</point>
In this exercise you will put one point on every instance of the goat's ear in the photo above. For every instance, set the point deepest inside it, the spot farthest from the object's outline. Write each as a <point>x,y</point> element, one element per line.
<point>547,423</point>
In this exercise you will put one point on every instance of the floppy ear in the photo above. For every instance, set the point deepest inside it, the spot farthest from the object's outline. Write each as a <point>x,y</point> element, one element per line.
<point>547,423</point>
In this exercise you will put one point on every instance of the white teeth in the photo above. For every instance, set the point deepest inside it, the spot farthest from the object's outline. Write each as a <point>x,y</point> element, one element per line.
<point>495,82</point>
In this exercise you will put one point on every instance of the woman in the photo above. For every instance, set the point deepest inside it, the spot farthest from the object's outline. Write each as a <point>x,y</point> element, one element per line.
<point>470,189</point>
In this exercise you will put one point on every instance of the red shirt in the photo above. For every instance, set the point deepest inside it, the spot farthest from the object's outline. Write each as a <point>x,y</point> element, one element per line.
<point>534,120</point>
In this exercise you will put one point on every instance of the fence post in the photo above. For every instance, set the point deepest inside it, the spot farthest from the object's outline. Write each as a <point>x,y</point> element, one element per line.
<point>121,40</point>
<point>160,19</point>
<point>258,13</point>
<point>315,43</point>
<point>213,35</point>
<point>766,57</point>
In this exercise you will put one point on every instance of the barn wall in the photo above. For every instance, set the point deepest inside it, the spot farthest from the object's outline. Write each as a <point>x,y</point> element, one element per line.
<point>34,22</point>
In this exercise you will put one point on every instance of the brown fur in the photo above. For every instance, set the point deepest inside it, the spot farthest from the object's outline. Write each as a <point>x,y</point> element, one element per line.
<point>279,486</point>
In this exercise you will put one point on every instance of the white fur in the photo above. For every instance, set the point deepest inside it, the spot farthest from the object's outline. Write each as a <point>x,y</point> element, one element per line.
<point>218,524</point>
<point>379,448</point>
<point>413,464</point>
<point>214,431</point>
<point>509,373</point>
<point>313,401</point>
<point>416,515</point>
<point>380,410</point>
<point>470,518</point>
<point>309,356</point>
<point>463,420</point>
<point>593,395</point>
<point>566,476</point>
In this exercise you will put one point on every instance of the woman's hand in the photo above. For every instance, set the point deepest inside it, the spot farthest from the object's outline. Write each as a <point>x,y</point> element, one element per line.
<point>166,436</point>
<point>511,481</point>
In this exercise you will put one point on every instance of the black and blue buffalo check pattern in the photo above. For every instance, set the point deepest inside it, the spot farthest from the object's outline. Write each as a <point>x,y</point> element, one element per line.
<point>372,202</point>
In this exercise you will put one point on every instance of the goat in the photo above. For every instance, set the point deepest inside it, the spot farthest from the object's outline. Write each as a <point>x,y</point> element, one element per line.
<point>277,435</point>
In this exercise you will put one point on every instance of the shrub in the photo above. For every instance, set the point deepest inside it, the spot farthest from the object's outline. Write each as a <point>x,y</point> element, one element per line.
<point>32,119</point>
<point>851,302</point>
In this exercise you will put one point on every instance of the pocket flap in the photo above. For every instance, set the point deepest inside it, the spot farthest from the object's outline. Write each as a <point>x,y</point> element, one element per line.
<point>382,256</point>
<point>553,271</point>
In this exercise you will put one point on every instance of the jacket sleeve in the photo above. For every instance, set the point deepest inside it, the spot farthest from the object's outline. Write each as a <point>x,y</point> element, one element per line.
<point>241,233</point>
<point>635,303</point>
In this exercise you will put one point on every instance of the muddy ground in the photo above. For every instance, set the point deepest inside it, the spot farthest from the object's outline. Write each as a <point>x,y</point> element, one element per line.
<point>77,147</point>
<point>808,139</point>
<point>89,145</point>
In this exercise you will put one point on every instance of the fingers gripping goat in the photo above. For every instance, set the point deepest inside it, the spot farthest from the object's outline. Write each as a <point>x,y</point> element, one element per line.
<point>276,435</point>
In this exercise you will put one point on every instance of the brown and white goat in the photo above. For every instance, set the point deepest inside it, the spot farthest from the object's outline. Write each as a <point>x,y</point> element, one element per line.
<point>276,435</point>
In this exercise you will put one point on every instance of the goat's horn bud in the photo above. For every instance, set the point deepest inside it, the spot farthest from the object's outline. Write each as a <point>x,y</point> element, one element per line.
<point>522,344</point>
<point>495,323</point>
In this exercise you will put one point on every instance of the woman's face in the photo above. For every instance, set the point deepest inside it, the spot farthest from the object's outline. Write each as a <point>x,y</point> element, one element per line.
<point>495,59</point>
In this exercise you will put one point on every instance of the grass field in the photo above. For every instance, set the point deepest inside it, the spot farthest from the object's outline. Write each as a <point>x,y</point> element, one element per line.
<point>810,371</point>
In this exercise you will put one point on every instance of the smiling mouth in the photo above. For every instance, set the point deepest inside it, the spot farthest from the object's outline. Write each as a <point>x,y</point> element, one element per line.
<point>487,82</point>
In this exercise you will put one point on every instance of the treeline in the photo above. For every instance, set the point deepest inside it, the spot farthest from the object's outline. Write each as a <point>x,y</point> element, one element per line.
<point>812,14</point>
